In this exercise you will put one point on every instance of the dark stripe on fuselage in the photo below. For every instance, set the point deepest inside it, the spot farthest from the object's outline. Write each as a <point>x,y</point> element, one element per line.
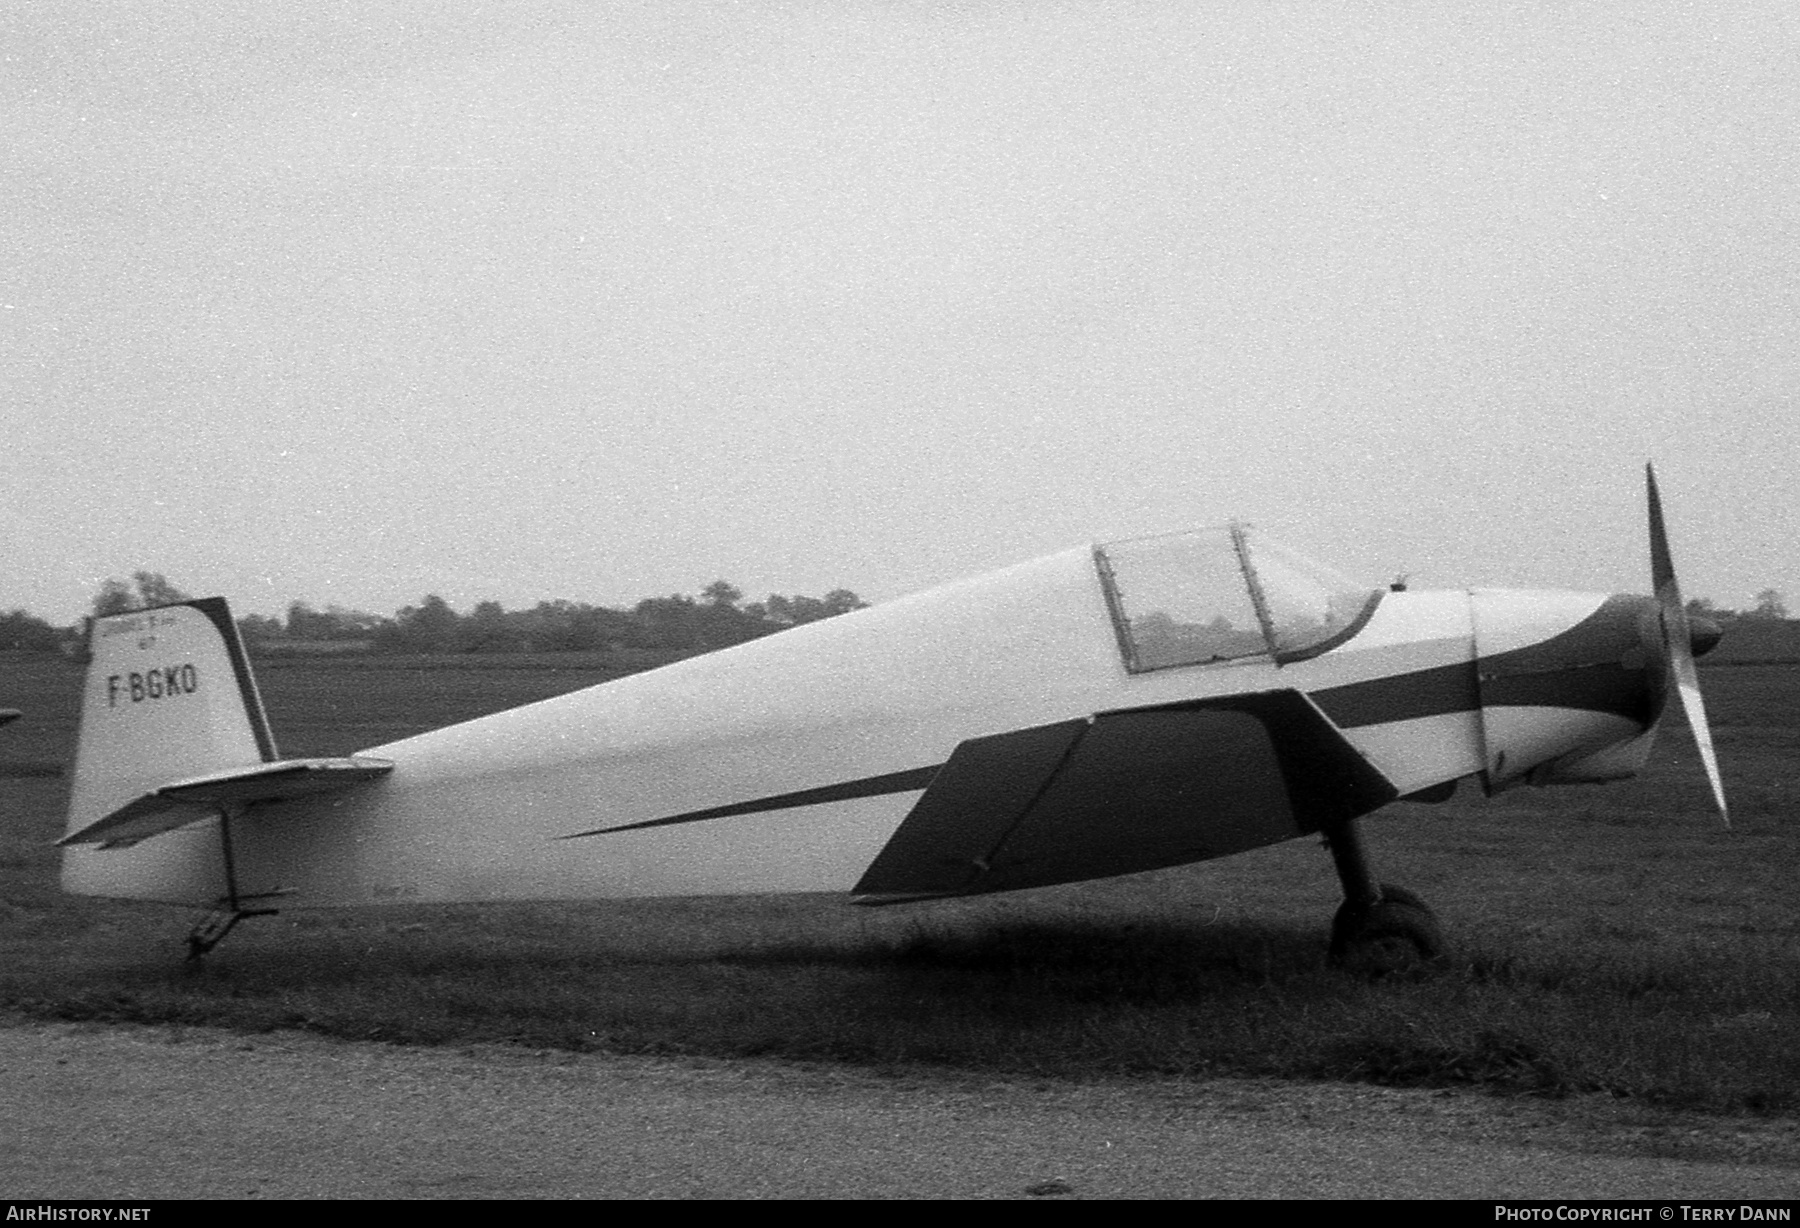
<point>1597,665</point>
<point>868,786</point>
<point>1402,697</point>
<point>1613,688</point>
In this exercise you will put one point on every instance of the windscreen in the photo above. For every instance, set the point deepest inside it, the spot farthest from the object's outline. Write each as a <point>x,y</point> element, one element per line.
<point>1221,594</point>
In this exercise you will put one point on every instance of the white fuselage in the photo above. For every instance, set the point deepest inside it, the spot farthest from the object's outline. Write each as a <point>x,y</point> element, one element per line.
<point>479,811</point>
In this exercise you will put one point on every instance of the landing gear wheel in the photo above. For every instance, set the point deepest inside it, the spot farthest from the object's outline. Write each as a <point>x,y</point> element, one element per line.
<point>1397,933</point>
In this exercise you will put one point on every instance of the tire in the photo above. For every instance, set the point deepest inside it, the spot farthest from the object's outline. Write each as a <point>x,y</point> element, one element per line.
<point>1396,934</point>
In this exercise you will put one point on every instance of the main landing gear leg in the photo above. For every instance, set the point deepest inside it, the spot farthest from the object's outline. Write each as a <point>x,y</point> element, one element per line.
<point>1379,928</point>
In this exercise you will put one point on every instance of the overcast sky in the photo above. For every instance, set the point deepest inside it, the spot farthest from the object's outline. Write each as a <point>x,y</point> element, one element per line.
<point>352,303</point>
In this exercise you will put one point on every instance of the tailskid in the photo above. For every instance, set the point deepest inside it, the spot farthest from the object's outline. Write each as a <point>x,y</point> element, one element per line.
<point>210,930</point>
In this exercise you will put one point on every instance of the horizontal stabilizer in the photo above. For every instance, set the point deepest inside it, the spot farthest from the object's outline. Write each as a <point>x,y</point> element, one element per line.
<point>201,797</point>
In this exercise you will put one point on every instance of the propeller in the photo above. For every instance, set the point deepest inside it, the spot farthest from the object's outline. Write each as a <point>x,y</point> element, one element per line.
<point>1680,677</point>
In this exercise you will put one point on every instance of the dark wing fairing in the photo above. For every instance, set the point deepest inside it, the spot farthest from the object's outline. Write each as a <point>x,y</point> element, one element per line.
<point>1125,791</point>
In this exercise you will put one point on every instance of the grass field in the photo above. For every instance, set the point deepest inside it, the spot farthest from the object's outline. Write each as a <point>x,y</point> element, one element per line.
<point>1605,939</point>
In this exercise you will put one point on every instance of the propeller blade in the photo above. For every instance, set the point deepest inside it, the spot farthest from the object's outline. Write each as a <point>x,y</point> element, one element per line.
<point>1687,686</point>
<point>1681,678</point>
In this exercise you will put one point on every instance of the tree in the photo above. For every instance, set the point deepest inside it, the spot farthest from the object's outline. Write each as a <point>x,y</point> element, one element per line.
<point>436,626</point>
<point>306,623</point>
<point>350,624</point>
<point>152,588</point>
<point>549,626</point>
<point>781,611</point>
<point>842,601</point>
<point>722,593</point>
<point>430,626</point>
<point>257,627</point>
<point>722,622</point>
<point>114,597</point>
<point>23,632</point>
<point>1769,604</point>
<point>489,628</point>
<point>670,622</point>
<point>792,611</point>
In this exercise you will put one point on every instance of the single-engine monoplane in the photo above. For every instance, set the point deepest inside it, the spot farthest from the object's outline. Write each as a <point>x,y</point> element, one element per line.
<point>1109,709</point>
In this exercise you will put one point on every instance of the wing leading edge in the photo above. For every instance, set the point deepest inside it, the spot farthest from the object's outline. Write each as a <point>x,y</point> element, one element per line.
<point>1124,791</point>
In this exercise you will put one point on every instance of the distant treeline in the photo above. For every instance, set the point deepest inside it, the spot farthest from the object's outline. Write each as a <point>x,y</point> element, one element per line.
<point>23,633</point>
<point>715,618</point>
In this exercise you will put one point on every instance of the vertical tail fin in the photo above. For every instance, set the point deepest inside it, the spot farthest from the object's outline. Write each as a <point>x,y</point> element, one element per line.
<point>174,744</point>
<point>168,695</point>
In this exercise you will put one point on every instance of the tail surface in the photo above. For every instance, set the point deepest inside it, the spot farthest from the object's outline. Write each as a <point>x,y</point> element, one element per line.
<point>169,695</point>
<point>173,735</point>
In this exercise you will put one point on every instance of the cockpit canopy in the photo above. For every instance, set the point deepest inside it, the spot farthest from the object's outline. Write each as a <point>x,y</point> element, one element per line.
<point>1219,594</point>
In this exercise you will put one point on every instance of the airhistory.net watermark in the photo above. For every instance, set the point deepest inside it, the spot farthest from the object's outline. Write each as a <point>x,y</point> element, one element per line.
<point>51,1213</point>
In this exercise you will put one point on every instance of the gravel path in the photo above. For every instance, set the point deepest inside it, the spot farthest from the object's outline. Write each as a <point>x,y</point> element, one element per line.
<point>108,1112</point>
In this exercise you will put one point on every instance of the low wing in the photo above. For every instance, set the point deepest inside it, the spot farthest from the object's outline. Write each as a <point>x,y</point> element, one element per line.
<point>182,802</point>
<point>1125,791</point>
<point>9,715</point>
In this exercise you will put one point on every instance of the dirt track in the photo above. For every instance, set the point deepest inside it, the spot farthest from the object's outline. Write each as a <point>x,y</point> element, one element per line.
<point>160,1113</point>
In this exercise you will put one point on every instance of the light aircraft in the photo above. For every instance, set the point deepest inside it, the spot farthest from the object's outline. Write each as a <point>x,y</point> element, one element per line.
<point>1109,709</point>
